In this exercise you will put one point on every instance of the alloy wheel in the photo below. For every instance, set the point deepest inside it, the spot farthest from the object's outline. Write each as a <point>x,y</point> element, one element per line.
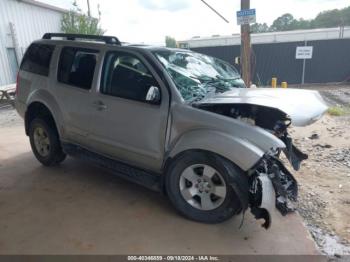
<point>203,187</point>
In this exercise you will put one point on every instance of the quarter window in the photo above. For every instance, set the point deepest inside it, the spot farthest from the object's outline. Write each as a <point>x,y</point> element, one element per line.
<point>37,59</point>
<point>124,75</point>
<point>77,67</point>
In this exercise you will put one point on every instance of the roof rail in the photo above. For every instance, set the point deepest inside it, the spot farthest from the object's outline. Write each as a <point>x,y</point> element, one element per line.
<point>112,40</point>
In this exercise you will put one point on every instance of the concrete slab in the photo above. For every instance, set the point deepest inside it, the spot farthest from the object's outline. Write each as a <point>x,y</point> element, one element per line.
<point>79,209</point>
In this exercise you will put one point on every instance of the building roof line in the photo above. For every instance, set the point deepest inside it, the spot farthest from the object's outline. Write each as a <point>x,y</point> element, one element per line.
<point>271,37</point>
<point>44,5</point>
<point>276,33</point>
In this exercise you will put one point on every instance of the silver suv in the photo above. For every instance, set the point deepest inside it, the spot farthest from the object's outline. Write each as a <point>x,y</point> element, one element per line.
<point>173,120</point>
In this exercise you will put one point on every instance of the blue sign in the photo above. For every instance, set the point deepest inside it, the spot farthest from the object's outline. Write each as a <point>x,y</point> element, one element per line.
<point>247,12</point>
<point>247,16</point>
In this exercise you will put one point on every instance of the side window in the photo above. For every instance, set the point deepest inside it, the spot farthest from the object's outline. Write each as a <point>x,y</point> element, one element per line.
<point>37,59</point>
<point>125,76</point>
<point>77,67</point>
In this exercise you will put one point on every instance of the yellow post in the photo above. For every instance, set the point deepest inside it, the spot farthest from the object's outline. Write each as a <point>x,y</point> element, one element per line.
<point>284,84</point>
<point>274,82</point>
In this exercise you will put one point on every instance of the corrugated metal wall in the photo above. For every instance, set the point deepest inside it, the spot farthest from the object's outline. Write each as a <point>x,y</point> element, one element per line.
<point>330,62</point>
<point>30,23</point>
<point>277,60</point>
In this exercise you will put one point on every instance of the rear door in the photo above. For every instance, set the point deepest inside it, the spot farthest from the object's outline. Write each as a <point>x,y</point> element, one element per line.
<point>74,89</point>
<point>126,125</point>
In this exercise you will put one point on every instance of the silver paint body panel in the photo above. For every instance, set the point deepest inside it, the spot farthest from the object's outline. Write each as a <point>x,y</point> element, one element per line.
<point>303,106</point>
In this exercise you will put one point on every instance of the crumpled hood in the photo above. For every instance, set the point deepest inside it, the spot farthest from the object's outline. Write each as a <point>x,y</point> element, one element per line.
<point>303,106</point>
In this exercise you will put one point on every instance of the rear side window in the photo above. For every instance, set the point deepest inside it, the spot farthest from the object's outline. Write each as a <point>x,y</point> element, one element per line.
<point>37,59</point>
<point>77,67</point>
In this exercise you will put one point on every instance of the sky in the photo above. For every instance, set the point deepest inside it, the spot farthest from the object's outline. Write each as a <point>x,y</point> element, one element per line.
<point>149,21</point>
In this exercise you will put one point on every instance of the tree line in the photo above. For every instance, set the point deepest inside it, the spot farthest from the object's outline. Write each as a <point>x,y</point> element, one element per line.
<point>286,22</point>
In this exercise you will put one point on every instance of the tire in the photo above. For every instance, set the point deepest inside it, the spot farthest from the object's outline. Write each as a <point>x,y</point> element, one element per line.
<point>195,208</point>
<point>51,154</point>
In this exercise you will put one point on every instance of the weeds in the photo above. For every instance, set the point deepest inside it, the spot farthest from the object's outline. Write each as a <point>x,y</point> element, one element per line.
<point>338,111</point>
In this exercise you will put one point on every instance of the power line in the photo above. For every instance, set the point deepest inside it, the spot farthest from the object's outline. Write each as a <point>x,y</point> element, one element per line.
<point>216,12</point>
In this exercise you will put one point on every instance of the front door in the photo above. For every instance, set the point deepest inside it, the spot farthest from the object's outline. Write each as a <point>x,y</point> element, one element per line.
<point>126,125</point>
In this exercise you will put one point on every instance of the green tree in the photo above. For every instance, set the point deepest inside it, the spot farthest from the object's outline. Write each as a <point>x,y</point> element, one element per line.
<point>284,23</point>
<point>332,18</point>
<point>259,28</point>
<point>76,22</point>
<point>170,42</point>
<point>303,24</point>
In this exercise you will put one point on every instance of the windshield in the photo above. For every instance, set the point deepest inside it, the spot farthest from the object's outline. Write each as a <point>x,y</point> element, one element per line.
<point>198,76</point>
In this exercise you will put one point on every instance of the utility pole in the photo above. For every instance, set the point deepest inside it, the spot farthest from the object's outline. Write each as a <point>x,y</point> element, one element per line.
<point>88,6</point>
<point>245,47</point>
<point>245,42</point>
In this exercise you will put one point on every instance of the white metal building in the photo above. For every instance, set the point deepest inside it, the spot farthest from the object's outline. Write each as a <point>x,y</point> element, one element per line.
<point>21,22</point>
<point>273,37</point>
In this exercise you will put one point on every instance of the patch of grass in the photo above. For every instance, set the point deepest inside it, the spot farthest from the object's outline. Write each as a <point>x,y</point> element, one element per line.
<point>338,111</point>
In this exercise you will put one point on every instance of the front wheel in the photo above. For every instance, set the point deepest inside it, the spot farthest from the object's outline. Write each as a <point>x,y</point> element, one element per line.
<point>45,142</point>
<point>198,186</point>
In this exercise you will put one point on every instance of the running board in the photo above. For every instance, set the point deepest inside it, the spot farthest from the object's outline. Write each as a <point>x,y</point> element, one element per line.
<point>135,175</point>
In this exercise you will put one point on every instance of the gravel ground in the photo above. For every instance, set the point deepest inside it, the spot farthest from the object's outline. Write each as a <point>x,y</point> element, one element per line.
<point>333,94</point>
<point>324,179</point>
<point>9,117</point>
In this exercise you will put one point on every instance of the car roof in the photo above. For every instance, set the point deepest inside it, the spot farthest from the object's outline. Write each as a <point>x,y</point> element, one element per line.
<point>99,45</point>
<point>157,48</point>
<point>97,41</point>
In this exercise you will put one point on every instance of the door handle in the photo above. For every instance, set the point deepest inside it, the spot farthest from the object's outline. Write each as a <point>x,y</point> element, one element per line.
<point>100,105</point>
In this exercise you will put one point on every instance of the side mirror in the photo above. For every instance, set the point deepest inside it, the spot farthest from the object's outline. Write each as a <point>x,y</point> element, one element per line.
<point>153,95</point>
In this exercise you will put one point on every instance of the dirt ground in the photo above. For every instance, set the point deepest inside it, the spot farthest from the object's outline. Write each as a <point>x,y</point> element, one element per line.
<point>324,179</point>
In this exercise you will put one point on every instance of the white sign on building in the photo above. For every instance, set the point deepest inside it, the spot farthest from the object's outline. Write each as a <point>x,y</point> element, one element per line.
<point>246,17</point>
<point>304,52</point>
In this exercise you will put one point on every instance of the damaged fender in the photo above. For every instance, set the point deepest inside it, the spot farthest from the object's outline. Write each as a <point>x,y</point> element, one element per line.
<point>224,145</point>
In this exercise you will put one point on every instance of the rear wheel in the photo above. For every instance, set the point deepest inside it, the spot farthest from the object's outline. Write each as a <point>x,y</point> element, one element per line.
<point>198,186</point>
<point>45,143</point>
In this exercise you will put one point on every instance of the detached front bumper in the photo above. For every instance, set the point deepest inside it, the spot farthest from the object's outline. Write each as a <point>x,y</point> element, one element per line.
<point>271,186</point>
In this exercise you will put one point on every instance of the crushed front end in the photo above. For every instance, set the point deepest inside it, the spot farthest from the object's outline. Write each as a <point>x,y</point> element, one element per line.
<point>271,186</point>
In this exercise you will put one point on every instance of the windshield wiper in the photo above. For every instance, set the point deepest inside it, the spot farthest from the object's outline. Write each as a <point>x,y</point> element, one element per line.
<point>211,79</point>
<point>228,79</point>
<point>205,79</point>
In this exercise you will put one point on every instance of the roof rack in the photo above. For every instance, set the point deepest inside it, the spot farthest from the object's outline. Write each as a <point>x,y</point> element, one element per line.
<point>112,40</point>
